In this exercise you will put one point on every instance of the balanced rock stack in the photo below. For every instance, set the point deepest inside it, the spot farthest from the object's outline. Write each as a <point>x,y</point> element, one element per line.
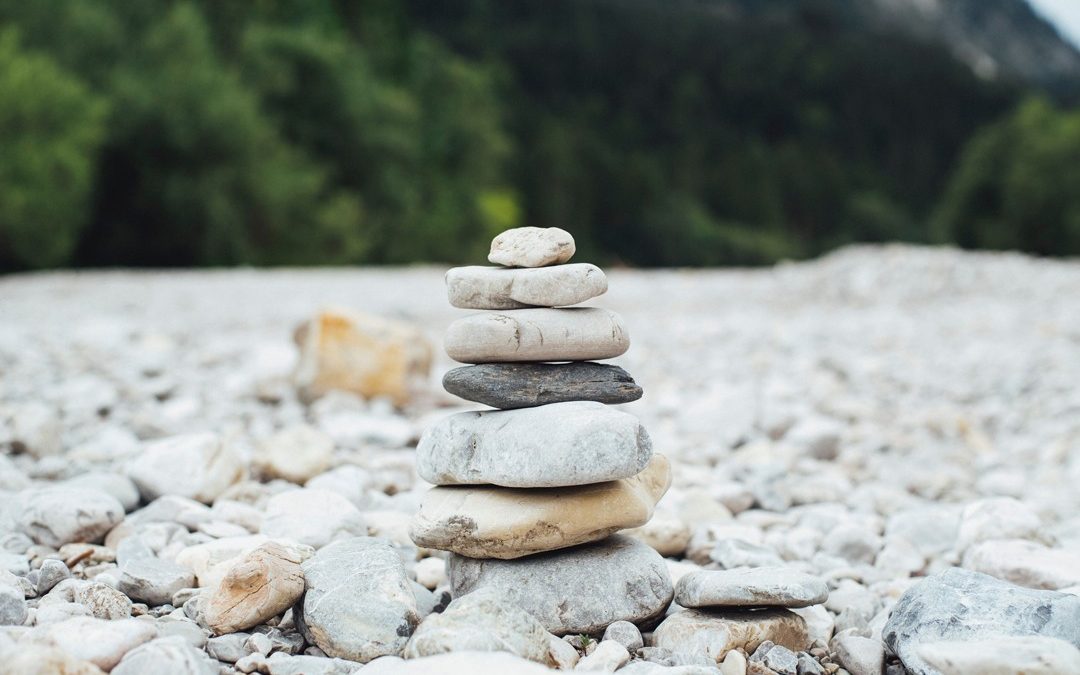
<point>529,496</point>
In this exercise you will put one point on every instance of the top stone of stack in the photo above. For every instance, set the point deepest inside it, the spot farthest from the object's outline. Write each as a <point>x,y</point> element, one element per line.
<point>532,247</point>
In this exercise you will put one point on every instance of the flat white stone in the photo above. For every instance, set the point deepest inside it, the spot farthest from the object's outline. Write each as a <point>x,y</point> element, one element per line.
<point>750,587</point>
<point>532,247</point>
<point>556,445</point>
<point>1003,655</point>
<point>570,334</point>
<point>478,287</point>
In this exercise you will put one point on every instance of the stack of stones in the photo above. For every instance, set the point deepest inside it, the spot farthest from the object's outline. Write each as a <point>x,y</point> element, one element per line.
<point>529,496</point>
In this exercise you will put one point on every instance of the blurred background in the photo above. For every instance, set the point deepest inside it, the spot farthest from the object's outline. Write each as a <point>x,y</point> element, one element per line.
<point>660,132</point>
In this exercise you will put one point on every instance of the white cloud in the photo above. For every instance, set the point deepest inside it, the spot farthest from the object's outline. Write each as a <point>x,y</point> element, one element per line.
<point>1064,14</point>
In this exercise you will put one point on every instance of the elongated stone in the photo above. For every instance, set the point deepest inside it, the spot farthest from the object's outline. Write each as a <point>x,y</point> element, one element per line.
<point>577,590</point>
<point>699,633</point>
<point>555,445</point>
<point>570,334</point>
<point>478,287</point>
<point>751,587</point>
<point>532,247</point>
<point>525,385</point>
<point>494,522</point>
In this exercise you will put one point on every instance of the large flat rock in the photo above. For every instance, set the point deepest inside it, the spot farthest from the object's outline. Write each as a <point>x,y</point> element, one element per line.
<point>495,522</point>
<point>711,634</point>
<point>526,385</point>
<point>578,590</point>
<point>478,287</point>
<point>570,334</point>
<point>555,445</point>
<point>751,587</point>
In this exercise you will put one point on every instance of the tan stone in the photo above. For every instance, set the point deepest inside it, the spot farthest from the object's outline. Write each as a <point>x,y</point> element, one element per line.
<point>713,634</point>
<point>366,354</point>
<point>665,532</point>
<point>258,586</point>
<point>506,523</point>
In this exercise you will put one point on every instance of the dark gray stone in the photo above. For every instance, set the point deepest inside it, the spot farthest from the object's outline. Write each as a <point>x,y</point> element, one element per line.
<point>959,604</point>
<point>525,385</point>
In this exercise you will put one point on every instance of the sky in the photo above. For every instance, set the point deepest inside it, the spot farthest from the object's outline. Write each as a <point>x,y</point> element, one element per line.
<point>1064,14</point>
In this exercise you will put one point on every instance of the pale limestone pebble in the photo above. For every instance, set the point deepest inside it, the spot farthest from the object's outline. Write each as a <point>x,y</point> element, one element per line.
<point>153,581</point>
<point>608,657</point>
<point>712,634</point>
<point>55,516</point>
<point>532,247</point>
<point>118,485</point>
<point>425,600</point>
<point>258,586</point>
<point>430,572</point>
<point>166,656</point>
<point>1026,563</point>
<point>480,287</point>
<point>859,655</point>
<point>175,624</point>
<point>32,659</point>
<point>482,621</point>
<point>665,532</point>
<point>561,654</point>
<point>312,517</point>
<point>55,612</point>
<point>637,667</point>
<point>577,590</point>
<point>852,542</point>
<point>50,573</point>
<point>296,454</point>
<point>777,658</point>
<point>750,587</point>
<point>102,601</point>
<point>732,553</point>
<point>583,442</point>
<point>357,604</point>
<point>280,663</point>
<point>567,334</point>
<point>103,643</point>
<point>734,663</point>
<point>820,623</point>
<point>11,478</point>
<point>35,428</point>
<point>457,663</point>
<point>199,466</point>
<point>1003,655</point>
<point>626,634</point>
<point>493,522</point>
<point>361,353</point>
<point>238,513</point>
<point>13,610</point>
<point>210,561</point>
<point>932,529</point>
<point>997,518</point>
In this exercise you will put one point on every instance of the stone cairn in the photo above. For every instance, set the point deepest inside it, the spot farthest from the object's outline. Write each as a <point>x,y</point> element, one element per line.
<point>528,497</point>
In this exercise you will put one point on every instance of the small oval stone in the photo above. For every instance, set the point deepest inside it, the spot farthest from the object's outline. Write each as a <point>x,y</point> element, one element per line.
<point>532,247</point>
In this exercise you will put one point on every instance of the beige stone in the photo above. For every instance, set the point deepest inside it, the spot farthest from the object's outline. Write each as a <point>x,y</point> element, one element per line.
<point>296,454</point>
<point>478,287</point>
<point>506,523</point>
<point>366,354</point>
<point>258,586</point>
<point>532,247</point>
<point>714,634</point>
<point>565,334</point>
<point>665,532</point>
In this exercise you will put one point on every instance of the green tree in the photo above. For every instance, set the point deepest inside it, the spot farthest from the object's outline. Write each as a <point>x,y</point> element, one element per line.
<point>51,128</point>
<point>1017,185</point>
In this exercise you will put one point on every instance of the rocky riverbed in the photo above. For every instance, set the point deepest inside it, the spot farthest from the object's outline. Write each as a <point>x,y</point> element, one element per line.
<point>172,502</point>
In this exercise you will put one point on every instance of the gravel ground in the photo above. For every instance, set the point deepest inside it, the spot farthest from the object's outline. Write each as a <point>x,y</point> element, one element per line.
<point>870,418</point>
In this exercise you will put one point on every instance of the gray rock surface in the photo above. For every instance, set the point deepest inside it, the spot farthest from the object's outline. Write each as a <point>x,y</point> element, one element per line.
<point>577,590</point>
<point>1003,655</point>
<point>312,517</point>
<point>153,581</point>
<point>532,247</point>
<point>525,385</point>
<point>100,642</point>
<point>859,655</point>
<point>581,442</point>
<point>931,611</point>
<point>751,587</point>
<point>626,634</point>
<point>500,288</point>
<point>166,656</point>
<point>51,573</point>
<point>710,635</point>
<point>198,466</point>
<point>12,605</point>
<point>55,516</point>
<point>358,604</point>
<point>570,334</point>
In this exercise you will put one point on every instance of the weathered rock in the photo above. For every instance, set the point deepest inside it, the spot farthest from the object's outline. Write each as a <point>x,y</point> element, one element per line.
<point>312,517</point>
<point>482,621</point>
<point>166,656</point>
<point>500,288</point>
<point>103,602</point>
<point>859,655</point>
<point>362,353</point>
<point>1026,563</point>
<point>608,657</point>
<point>560,654</point>
<point>12,605</point>
<point>55,516</point>
<point>115,484</point>
<point>1003,655</point>
<point>258,586</point>
<point>996,518</point>
<point>296,454</point>
<point>210,561</point>
<point>526,385</point>
<point>154,581</point>
<point>557,445</point>
<point>665,532</point>
<point>493,522</point>
<point>571,334</point>
<point>31,659</point>
<point>458,663</point>
<point>51,573</point>
<point>100,642</point>
<point>198,466</point>
<point>626,634</point>
<point>280,663</point>
<point>777,658</point>
<point>929,611</point>
<point>228,648</point>
<point>532,247</point>
<point>750,587</point>
<point>577,590</point>
<point>358,604</point>
<point>712,634</point>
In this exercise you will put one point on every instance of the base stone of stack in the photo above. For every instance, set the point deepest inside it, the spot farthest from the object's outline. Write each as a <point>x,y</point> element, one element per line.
<point>578,590</point>
<point>505,523</point>
<point>478,287</point>
<point>557,445</point>
<point>568,334</point>
<point>527,385</point>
